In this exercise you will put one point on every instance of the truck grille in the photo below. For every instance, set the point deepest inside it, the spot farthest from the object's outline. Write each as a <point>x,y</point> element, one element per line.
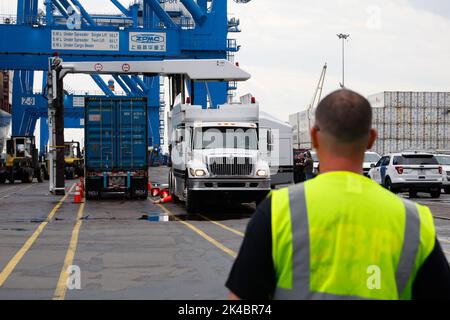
<point>225,166</point>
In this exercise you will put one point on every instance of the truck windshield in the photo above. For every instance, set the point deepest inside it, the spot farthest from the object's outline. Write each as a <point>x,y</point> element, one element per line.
<point>225,137</point>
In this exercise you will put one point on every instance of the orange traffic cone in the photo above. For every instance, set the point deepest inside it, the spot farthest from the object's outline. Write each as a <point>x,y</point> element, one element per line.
<point>166,199</point>
<point>163,200</point>
<point>81,191</point>
<point>155,192</point>
<point>164,193</point>
<point>77,198</point>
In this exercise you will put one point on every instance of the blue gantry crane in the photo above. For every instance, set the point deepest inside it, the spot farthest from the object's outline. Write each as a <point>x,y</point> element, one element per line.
<point>145,30</point>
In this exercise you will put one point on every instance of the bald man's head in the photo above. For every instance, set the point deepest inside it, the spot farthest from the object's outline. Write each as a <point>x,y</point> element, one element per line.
<point>345,115</point>
<point>343,131</point>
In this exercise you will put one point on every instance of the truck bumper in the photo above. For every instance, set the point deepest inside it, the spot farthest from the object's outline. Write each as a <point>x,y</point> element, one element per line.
<point>232,190</point>
<point>229,185</point>
<point>134,186</point>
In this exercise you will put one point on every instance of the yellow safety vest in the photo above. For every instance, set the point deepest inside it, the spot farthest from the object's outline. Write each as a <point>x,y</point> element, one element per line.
<point>342,236</point>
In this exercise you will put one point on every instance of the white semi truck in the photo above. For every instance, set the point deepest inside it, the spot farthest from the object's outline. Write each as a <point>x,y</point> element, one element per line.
<point>216,154</point>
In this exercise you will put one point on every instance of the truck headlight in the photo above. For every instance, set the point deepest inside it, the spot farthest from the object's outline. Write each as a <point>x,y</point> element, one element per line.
<point>198,172</point>
<point>261,173</point>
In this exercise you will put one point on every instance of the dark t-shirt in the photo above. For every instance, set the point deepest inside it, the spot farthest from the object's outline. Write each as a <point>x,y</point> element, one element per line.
<point>309,165</point>
<point>253,277</point>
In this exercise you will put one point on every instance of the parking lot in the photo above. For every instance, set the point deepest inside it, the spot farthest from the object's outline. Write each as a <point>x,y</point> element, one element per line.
<point>126,249</point>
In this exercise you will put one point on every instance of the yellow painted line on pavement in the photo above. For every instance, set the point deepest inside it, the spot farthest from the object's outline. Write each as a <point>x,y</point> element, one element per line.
<point>202,234</point>
<point>19,255</point>
<point>61,287</point>
<point>222,225</point>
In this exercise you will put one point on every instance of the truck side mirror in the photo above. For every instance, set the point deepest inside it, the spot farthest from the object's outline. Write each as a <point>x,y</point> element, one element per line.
<point>179,136</point>
<point>9,147</point>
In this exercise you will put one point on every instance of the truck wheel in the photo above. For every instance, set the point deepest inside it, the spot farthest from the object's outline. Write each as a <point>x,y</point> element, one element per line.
<point>191,202</point>
<point>27,177</point>
<point>40,175</point>
<point>435,194</point>
<point>172,188</point>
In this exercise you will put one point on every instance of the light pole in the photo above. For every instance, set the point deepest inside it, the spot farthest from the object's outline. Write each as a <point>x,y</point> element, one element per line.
<point>343,37</point>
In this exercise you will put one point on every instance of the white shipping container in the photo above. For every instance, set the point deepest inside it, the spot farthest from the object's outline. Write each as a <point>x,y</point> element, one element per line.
<point>404,123</point>
<point>301,122</point>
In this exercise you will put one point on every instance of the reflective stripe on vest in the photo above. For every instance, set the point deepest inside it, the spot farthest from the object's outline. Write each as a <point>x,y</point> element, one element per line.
<point>301,251</point>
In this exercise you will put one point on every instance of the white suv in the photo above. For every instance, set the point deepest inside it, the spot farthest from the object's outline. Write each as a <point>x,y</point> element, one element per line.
<point>409,171</point>
<point>444,161</point>
<point>370,159</point>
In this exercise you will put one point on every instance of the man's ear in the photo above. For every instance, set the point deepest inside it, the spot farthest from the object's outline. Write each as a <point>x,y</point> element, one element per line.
<point>314,138</point>
<point>372,138</point>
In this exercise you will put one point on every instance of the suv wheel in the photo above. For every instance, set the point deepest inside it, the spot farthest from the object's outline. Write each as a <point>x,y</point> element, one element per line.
<point>388,185</point>
<point>435,193</point>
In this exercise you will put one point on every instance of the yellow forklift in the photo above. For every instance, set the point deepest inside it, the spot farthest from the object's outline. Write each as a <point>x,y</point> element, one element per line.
<point>73,160</point>
<point>22,161</point>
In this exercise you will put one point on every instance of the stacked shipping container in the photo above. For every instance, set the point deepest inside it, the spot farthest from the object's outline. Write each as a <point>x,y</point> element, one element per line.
<point>404,120</point>
<point>301,122</point>
<point>411,121</point>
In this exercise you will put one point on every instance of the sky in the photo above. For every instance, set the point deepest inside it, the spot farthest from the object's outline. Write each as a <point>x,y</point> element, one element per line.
<point>393,45</point>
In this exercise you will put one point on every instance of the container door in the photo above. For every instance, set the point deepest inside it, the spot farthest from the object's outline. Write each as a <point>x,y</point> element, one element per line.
<point>131,153</point>
<point>100,135</point>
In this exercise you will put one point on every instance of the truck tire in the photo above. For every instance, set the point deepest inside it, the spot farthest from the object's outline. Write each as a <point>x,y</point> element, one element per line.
<point>27,177</point>
<point>40,175</point>
<point>172,187</point>
<point>191,202</point>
